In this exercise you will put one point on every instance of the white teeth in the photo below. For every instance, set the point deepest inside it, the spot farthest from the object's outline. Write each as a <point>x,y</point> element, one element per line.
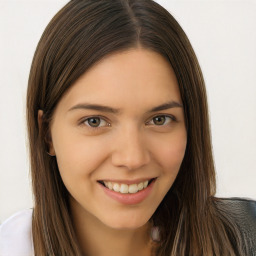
<point>125,188</point>
<point>145,183</point>
<point>110,185</point>
<point>116,187</point>
<point>133,188</point>
<point>140,186</point>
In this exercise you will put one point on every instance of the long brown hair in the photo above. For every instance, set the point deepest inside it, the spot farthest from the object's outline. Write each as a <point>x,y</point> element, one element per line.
<point>190,218</point>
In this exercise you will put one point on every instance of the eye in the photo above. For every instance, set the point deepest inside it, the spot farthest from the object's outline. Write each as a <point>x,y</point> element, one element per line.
<point>95,122</point>
<point>161,120</point>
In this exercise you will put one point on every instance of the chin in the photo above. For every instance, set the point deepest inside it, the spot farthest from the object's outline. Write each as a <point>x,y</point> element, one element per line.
<point>133,222</point>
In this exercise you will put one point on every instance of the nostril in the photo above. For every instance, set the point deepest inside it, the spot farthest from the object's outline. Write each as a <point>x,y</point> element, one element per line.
<point>131,161</point>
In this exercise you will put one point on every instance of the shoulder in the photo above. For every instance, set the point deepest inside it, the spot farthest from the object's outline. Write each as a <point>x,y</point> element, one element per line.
<point>243,213</point>
<point>16,235</point>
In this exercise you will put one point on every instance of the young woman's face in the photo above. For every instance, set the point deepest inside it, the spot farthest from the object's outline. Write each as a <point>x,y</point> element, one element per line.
<point>122,124</point>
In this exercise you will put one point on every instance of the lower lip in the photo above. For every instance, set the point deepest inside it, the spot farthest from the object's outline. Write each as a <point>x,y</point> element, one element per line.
<point>129,199</point>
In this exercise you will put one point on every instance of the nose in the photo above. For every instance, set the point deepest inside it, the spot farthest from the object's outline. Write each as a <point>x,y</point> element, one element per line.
<point>130,150</point>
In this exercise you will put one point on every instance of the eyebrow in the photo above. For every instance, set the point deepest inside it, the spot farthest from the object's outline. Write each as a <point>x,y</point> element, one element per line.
<point>168,105</point>
<point>106,109</point>
<point>101,108</point>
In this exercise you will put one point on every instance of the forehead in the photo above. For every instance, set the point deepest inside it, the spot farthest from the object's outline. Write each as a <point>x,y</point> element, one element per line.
<point>131,79</point>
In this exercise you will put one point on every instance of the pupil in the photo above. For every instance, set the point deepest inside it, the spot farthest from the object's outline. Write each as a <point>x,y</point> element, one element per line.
<point>159,120</point>
<point>94,122</point>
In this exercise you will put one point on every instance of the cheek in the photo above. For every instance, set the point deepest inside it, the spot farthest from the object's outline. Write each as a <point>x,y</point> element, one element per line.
<point>78,155</point>
<point>171,153</point>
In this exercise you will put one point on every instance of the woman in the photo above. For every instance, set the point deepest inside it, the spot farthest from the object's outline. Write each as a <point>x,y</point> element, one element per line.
<point>119,137</point>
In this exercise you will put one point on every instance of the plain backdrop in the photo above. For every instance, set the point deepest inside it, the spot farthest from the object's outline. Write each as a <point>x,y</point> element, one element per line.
<point>223,34</point>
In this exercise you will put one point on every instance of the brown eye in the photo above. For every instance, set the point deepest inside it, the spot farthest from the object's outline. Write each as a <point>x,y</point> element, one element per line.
<point>95,122</point>
<point>159,120</point>
<point>162,120</point>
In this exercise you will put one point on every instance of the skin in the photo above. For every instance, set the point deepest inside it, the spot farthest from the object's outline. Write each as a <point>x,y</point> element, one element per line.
<point>127,145</point>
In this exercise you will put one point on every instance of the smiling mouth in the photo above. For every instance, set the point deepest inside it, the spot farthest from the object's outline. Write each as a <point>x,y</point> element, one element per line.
<point>126,188</point>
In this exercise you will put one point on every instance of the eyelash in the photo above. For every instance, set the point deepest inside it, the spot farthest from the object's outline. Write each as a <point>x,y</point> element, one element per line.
<point>97,127</point>
<point>83,122</point>
<point>172,118</point>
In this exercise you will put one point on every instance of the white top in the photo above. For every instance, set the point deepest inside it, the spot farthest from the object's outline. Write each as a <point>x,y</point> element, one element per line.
<point>16,235</point>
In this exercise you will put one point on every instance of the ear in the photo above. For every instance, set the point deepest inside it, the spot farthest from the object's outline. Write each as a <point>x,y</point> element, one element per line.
<point>47,138</point>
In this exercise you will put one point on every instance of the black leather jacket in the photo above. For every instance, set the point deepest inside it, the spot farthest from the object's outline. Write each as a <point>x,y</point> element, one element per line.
<point>244,211</point>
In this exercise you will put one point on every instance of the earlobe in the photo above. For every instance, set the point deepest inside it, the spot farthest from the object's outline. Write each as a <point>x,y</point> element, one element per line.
<point>51,151</point>
<point>47,138</point>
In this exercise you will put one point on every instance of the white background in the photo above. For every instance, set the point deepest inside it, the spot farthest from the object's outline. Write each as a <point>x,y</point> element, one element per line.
<point>223,34</point>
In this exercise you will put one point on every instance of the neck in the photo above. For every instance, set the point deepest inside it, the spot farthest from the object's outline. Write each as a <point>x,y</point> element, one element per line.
<point>97,239</point>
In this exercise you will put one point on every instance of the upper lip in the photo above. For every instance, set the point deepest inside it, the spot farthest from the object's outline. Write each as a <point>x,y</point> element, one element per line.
<point>128,182</point>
